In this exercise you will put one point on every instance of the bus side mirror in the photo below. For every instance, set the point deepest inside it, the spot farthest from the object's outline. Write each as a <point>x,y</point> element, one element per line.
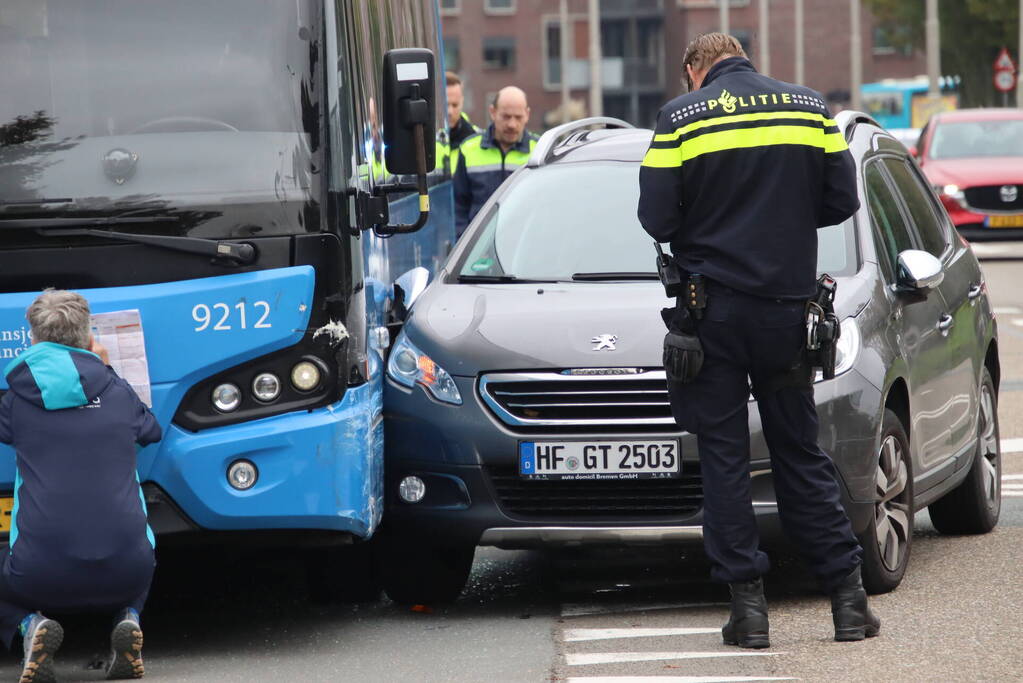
<point>409,111</point>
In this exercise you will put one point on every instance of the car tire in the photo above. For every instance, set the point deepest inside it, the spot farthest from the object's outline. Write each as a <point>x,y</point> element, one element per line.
<point>888,540</point>
<point>973,507</point>
<point>341,574</point>
<point>414,571</point>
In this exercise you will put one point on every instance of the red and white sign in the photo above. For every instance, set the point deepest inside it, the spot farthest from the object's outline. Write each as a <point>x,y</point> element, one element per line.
<point>1004,72</point>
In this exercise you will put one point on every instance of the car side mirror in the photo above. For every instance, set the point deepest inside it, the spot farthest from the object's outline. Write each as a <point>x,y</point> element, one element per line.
<point>918,271</point>
<point>407,288</point>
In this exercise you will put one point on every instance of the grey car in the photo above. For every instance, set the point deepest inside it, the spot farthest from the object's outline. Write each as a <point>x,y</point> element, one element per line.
<point>525,405</point>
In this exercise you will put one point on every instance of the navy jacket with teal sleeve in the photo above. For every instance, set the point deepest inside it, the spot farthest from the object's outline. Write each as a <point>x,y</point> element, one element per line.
<point>78,507</point>
<point>739,176</point>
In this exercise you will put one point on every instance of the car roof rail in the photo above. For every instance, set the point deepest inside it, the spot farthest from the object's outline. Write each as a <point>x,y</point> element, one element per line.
<point>549,141</point>
<point>848,118</point>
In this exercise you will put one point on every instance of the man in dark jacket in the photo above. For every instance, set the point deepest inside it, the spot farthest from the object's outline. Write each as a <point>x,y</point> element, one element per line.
<point>459,126</point>
<point>740,174</point>
<point>79,539</point>
<point>486,160</point>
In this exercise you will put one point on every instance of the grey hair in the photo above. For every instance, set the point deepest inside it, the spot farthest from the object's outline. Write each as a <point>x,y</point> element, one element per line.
<point>60,316</point>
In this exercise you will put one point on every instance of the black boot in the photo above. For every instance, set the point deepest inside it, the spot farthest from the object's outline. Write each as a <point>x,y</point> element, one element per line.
<point>852,615</point>
<point>747,625</point>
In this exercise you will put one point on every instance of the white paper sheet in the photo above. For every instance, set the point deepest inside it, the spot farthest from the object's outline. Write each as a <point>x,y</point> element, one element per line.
<point>121,333</point>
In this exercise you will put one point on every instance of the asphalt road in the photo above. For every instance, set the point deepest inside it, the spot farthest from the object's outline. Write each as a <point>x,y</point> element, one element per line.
<point>606,616</point>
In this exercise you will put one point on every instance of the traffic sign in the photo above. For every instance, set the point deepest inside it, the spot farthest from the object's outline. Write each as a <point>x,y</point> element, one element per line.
<point>1004,72</point>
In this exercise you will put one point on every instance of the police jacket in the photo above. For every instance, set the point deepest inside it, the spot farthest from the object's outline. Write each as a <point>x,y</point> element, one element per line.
<point>79,518</point>
<point>482,167</point>
<point>448,143</point>
<point>739,176</point>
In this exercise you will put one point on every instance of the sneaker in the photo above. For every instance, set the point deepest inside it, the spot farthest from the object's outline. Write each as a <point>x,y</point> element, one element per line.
<point>126,647</point>
<point>42,638</point>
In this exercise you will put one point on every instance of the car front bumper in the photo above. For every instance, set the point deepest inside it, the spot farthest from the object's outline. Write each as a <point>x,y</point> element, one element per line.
<point>466,456</point>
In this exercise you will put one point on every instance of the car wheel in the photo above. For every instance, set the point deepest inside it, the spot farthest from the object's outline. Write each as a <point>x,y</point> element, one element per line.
<point>414,571</point>
<point>889,537</point>
<point>973,506</point>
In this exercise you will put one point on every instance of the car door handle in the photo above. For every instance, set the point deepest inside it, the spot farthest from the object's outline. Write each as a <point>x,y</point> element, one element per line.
<point>945,322</point>
<point>975,291</point>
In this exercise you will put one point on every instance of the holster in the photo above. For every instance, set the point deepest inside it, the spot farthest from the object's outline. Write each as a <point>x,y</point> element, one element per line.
<point>683,353</point>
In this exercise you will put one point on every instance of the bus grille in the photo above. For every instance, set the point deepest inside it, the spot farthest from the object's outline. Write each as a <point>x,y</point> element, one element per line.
<point>552,399</point>
<point>603,498</point>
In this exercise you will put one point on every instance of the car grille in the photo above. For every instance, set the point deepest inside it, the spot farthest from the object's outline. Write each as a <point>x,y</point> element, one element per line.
<point>682,496</point>
<point>531,400</point>
<point>989,198</point>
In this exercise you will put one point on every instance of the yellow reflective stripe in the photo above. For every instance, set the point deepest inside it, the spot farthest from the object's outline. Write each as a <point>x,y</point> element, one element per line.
<point>739,118</point>
<point>663,158</point>
<point>834,142</point>
<point>751,137</point>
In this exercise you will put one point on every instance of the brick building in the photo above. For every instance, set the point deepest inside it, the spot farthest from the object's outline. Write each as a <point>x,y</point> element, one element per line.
<point>492,43</point>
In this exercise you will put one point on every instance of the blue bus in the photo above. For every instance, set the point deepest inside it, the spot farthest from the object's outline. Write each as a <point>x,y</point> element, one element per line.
<point>221,175</point>
<point>900,103</point>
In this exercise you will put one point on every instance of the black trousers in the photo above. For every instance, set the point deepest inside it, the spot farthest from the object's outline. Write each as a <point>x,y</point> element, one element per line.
<point>54,588</point>
<point>747,338</point>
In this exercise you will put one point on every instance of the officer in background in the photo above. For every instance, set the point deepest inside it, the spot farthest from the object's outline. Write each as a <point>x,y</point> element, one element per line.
<point>485,160</point>
<point>740,174</point>
<point>459,125</point>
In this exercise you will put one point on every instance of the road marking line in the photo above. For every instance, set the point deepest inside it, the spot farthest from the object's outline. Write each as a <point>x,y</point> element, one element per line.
<point>1012,494</point>
<point>591,609</point>
<point>588,658</point>
<point>1012,477</point>
<point>1017,322</point>
<point>674,679</point>
<point>575,635</point>
<point>1007,310</point>
<point>1012,445</point>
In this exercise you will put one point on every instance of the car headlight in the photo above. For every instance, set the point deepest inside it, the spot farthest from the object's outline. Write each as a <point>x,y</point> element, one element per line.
<point>846,350</point>
<point>409,366</point>
<point>951,192</point>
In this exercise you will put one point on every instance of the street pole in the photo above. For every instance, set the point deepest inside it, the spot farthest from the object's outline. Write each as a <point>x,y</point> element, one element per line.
<point>933,38</point>
<point>800,76</point>
<point>723,15</point>
<point>855,56</point>
<point>596,55</point>
<point>765,37</point>
<point>564,61</point>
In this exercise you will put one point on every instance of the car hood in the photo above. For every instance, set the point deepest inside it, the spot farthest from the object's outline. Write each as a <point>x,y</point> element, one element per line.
<point>974,172</point>
<point>473,328</point>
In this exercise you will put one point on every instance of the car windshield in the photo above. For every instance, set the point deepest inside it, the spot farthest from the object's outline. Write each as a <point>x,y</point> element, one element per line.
<point>204,110</point>
<point>962,139</point>
<point>575,219</point>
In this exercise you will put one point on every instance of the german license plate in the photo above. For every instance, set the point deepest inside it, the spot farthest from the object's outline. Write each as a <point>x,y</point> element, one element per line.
<point>599,459</point>
<point>6,506</point>
<point>1004,221</point>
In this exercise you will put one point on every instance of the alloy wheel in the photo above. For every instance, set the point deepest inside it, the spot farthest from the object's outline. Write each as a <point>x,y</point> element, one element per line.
<point>988,445</point>
<point>892,517</point>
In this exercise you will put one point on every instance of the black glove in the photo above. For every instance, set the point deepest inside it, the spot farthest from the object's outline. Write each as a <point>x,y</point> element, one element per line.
<point>683,354</point>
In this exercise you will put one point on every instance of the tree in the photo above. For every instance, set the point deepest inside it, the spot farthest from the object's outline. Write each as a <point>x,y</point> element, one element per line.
<point>972,33</point>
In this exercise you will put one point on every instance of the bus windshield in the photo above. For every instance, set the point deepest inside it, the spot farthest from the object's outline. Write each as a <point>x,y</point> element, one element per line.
<point>202,111</point>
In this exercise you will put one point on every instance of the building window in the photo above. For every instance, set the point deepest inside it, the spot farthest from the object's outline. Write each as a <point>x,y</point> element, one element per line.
<point>552,56</point>
<point>499,52</point>
<point>499,6</point>
<point>448,7</point>
<point>701,4</point>
<point>452,54</point>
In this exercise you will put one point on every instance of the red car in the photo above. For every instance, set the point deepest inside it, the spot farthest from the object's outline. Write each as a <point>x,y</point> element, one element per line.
<point>974,160</point>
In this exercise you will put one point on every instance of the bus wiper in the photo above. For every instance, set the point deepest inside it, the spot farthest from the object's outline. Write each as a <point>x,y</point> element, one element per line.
<point>615,276</point>
<point>237,252</point>
<point>496,278</point>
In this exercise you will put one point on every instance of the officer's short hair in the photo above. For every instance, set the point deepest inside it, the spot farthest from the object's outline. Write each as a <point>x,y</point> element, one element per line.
<point>60,316</point>
<point>707,48</point>
<point>451,78</point>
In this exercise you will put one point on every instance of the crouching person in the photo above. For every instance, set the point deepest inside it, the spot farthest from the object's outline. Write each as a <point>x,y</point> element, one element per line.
<point>79,539</point>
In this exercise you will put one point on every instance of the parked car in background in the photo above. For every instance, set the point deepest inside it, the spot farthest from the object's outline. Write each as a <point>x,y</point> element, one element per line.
<point>525,403</point>
<point>974,160</point>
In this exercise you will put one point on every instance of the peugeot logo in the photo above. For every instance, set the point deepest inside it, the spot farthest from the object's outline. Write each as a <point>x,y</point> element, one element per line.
<point>604,342</point>
<point>1009,193</point>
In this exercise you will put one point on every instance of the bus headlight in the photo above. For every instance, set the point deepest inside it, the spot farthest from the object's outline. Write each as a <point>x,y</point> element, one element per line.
<point>305,376</point>
<point>266,387</point>
<point>227,397</point>
<point>409,366</point>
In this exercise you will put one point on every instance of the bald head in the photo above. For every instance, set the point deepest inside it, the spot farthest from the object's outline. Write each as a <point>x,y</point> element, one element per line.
<point>510,114</point>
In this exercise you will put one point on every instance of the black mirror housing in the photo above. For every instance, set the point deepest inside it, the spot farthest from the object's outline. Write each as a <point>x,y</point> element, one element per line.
<point>409,100</point>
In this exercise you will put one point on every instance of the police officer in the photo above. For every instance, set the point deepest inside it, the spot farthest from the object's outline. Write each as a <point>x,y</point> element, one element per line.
<point>739,175</point>
<point>485,160</point>
<point>459,125</point>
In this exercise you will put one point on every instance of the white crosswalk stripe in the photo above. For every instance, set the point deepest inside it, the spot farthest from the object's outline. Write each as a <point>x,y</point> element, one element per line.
<point>575,635</point>
<point>585,658</point>
<point>674,679</point>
